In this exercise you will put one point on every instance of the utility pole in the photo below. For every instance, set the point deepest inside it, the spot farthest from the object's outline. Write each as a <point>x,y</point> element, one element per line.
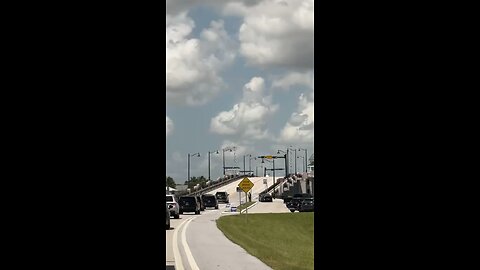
<point>223,152</point>
<point>295,160</point>
<point>286,170</point>
<point>244,164</point>
<point>216,152</point>
<point>274,178</point>
<point>305,158</point>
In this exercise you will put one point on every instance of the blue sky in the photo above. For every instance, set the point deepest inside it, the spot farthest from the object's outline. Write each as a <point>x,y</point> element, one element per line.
<point>239,73</point>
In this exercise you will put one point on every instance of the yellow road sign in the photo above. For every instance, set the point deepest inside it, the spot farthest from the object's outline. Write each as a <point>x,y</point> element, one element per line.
<point>270,157</point>
<point>245,184</point>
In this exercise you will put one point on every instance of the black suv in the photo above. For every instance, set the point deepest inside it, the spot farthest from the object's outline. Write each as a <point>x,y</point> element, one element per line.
<point>210,200</point>
<point>222,197</point>
<point>294,204</point>
<point>302,195</point>
<point>307,205</point>
<point>189,204</point>
<point>265,197</point>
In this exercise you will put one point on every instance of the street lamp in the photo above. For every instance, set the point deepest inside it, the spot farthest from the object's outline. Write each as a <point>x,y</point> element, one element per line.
<point>256,171</point>
<point>189,155</point>
<point>286,160</point>
<point>305,158</point>
<point>302,162</point>
<point>295,158</point>
<point>244,172</point>
<point>223,150</point>
<point>216,152</point>
<point>250,163</point>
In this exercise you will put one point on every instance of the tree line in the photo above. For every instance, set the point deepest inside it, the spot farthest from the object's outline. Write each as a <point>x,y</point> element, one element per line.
<point>193,182</point>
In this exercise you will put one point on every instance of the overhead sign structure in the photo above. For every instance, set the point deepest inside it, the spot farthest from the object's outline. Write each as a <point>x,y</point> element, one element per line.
<point>245,184</point>
<point>270,157</point>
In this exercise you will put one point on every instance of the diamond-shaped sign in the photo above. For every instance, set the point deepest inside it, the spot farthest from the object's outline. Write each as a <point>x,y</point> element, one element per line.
<point>245,184</point>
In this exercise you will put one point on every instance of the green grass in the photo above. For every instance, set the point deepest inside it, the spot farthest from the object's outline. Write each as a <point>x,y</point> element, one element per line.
<point>243,206</point>
<point>283,241</point>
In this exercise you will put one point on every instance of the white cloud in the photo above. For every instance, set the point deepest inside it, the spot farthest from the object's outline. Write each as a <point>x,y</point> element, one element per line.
<point>294,78</point>
<point>247,118</point>
<point>178,6</point>
<point>169,126</point>
<point>276,33</point>
<point>299,128</point>
<point>177,157</point>
<point>194,64</point>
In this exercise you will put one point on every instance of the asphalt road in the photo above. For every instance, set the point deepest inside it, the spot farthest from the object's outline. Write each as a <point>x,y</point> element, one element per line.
<point>194,241</point>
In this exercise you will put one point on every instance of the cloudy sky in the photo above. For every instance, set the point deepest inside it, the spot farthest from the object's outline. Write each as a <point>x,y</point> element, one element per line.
<point>239,73</point>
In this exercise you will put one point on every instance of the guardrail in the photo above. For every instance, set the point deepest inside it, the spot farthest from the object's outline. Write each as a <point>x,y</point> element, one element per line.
<point>270,187</point>
<point>215,186</point>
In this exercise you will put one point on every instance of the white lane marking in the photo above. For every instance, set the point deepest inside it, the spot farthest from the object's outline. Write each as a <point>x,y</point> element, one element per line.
<point>191,260</point>
<point>176,251</point>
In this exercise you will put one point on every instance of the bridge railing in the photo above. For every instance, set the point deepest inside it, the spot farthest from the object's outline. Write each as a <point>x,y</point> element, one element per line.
<point>211,187</point>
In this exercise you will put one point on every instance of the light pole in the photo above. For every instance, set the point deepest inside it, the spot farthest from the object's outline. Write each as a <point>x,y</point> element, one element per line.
<point>291,149</point>
<point>303,163</point>
<point>286,161</point>
<point>223,150</point>
<point>250,163</point>
<point>216,152</point>
<point>273,177</point>
<point>273,173</point>
<point>189,155</point>
<point>295,159</point>
<point>305,157</point>
<point>256,171</point>
<point>244,164</point>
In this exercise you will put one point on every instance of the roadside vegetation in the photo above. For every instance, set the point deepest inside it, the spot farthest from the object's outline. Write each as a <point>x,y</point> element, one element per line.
<point>283,241</point>
<point>244,205</point>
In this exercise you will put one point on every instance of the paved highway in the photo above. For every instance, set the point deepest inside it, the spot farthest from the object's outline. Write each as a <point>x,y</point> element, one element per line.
<point>258,186</point>
<point>195,242</point>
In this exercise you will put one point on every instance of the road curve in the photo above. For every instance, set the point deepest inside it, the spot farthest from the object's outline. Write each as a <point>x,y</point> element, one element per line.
<point>195,242</point>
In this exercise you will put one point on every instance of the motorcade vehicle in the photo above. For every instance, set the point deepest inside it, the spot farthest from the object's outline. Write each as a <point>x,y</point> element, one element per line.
<point>293,204</point>
<point>189,204</point>
<point>287,198</point>
<point>265,197</point>
<point>209,200</point>
<point>167,214</point>
<point>307,205</point>
<point>302,195</point>
<point>222,197</point>
<point>173,205</point>
<point>202,206</point>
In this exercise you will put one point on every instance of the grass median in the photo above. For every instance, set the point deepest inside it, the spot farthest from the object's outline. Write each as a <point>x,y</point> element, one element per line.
<point>283,241</point>
<point>244,205</point>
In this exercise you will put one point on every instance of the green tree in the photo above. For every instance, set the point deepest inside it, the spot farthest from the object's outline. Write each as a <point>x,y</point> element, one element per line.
<point>194,181</point>
<point>170,182</point>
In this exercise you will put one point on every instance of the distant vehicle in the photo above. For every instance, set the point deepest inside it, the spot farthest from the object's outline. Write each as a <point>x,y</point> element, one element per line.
<point>167,214</point>
<point>287,199</point>
<point>222,197</point>
<point>265,197</point>
<point>202,206</point>
<point>189,204</point>
<point>307,205</point>
<point>210,200</point>
<point>302,195</point>
<point>173,205</point>
<point>294,204</point>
